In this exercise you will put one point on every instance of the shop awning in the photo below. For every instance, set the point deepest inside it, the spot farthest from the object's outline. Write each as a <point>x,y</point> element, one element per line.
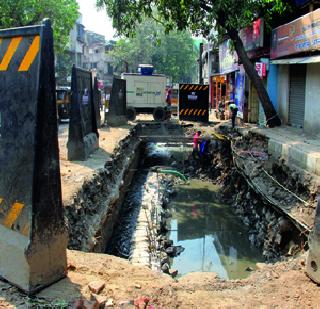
<point>300,60</point>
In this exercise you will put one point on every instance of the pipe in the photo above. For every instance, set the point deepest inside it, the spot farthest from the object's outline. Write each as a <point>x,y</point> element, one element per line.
<point>173,172</point>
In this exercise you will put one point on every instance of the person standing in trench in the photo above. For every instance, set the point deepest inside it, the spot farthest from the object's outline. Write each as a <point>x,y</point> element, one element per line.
<point>196,143</point>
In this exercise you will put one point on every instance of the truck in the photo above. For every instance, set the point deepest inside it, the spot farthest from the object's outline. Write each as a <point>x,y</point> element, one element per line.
<point>146,94</point>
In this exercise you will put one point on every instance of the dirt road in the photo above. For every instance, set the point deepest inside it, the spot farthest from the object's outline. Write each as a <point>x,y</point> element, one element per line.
<point>283,285</point>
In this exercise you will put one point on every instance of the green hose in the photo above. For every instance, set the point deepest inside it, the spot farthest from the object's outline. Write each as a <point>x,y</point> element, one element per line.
<point>173,172</point>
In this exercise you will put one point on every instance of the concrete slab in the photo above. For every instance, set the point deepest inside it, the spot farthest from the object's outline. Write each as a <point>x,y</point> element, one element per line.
<point>293,145</point>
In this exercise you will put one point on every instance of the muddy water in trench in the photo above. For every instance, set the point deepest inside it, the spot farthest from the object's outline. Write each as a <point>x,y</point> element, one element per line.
<point>214,238</point>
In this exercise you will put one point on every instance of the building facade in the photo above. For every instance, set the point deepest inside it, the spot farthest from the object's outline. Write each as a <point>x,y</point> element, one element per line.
<point>97,57</point>
<point>296,53</point>
<point>77,43</point>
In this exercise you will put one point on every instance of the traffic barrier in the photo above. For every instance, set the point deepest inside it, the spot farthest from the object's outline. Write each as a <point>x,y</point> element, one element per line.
<point>194,102</point>
<point>117,106</point>
<point>32,231</point>
<point>313,260</point>
<point>83,132</point>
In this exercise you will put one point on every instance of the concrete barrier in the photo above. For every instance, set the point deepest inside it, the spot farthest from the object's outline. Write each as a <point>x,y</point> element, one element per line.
<point>313,261</point>
<point>83,132</point>
<point>117,107</point>
<point>32,231</point>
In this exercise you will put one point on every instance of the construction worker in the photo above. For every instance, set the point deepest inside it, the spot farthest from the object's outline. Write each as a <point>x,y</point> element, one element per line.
<point>234,110</point>
<point>196,144</point>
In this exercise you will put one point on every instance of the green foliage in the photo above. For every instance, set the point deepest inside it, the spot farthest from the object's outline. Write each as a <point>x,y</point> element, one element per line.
<point>63,68</point>
<point>173,54</point>
<point>198,15</point>
<point>63,14</point>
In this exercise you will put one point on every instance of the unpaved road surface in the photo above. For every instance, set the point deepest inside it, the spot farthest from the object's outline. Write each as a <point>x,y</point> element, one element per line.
<point>283,285</point>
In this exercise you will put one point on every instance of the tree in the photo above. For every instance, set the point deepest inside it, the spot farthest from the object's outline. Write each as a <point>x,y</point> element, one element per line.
<point>174,54</point>
<point>200,16</point>
<point>63,14</point>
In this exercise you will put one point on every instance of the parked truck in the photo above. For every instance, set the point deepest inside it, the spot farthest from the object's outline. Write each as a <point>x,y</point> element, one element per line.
<point>146,94</point>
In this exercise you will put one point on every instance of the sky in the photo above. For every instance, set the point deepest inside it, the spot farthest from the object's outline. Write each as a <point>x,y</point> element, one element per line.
<point>94,20</point>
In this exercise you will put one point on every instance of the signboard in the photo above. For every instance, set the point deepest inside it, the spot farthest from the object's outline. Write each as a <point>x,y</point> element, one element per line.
<point>239,91</point>
<point>252,37</point>
<point>261,68</point>
<point>228,59</point>
<point>194,102</point>
<point>301,35</point>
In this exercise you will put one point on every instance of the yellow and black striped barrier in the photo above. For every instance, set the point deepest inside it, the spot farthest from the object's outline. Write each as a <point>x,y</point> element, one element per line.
<point>32,231</point>
<point>194,87</point>
<point>194,102</point>
<point>16,47</point>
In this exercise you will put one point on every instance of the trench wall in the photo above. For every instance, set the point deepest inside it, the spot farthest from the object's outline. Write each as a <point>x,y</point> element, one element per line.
<point>96,204</point>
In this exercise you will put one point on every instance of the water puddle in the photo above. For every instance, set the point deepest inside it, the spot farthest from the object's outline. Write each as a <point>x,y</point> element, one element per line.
<point>214,238</point>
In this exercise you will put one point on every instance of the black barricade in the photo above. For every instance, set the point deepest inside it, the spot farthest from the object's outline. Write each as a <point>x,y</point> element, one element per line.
<point>83,131</point>
<point>97,101</point>
<point>32,233</point>
<point>117,106</point>
<point>194,102</point>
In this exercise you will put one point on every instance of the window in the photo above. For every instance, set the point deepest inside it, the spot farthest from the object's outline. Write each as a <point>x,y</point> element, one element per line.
<point>80,32</point>
<point>110,69</point>
<point>94,65</point>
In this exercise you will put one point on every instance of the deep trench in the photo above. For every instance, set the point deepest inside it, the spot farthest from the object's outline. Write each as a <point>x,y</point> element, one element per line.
<point>267,232</point>
<point>243,243</point>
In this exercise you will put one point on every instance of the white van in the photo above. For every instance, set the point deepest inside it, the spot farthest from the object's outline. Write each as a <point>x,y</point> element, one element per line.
<point>146,94</point>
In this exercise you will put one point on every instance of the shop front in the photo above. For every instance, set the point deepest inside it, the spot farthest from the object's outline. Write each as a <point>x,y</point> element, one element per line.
<point>295,49</point>
<point>223,83</point>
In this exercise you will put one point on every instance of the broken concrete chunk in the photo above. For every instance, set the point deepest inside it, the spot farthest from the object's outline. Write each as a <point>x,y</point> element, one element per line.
<point>173,273</point>
<point>165,268</point>
<point>109,303</point>
<point>100,300</point>
<point>261,265</point>
<point>96,286</point>
<point>174,251</point>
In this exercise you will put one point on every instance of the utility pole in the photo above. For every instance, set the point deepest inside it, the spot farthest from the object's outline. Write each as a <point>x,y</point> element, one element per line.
<point>209,73</point>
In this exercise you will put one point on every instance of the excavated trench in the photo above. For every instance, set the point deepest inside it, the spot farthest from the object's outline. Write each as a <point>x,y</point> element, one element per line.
<point>139,207</point>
